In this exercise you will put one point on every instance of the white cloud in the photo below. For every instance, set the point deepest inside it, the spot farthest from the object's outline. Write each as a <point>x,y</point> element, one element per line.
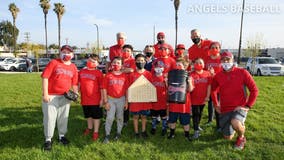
<point>91,19</point>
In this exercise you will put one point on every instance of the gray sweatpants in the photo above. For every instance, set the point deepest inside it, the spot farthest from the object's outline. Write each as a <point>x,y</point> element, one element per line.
<point>116,109</point>
<point>57,110</point>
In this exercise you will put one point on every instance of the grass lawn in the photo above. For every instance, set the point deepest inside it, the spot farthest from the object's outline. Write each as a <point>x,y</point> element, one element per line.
<point>21,129</point>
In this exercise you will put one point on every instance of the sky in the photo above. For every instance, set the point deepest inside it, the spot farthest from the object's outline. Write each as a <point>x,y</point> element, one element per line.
<point>218,20</point>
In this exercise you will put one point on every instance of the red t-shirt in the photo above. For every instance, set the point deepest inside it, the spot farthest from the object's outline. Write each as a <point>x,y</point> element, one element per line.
<point>115,85</point>
<point>201,83</point>
<point>60,76</point>
<point>139,106</point>
<point>214,63</point>
<point>167,63</point>
<point>195,52</point>
<point>181,108</point>
<point>129,63</point>
<point>115,51</point>
<point>157,47</point>
<point>232,91</point>
<point>160,84</point>
<point>90,86</point>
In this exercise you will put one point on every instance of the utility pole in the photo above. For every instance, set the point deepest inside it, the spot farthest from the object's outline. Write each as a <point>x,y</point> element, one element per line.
<point>241,31</point>
<point>27,37</point>
<point>98,43</point>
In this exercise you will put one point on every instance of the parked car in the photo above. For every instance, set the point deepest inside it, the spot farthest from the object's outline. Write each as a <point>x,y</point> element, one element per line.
<point>264,66</point>
<point>5,60</point>
<point>42,62</point>
<point>13,65</point>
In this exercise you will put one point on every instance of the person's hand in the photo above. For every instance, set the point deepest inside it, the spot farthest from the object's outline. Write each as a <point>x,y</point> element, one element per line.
<point>126,106</point>
<point>107,106</point>
<point>101,102</point>
<point>206,99</point>
<point>46,98</point>
<point>211,70</point>
<point>218,109</point>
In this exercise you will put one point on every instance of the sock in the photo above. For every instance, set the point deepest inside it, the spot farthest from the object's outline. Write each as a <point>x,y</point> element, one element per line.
<point>164,124</point>
<point>48,139</point>
<point>186,133</point>
<point>60,136</point>
<point>154,122</point>
<point>172,131</point>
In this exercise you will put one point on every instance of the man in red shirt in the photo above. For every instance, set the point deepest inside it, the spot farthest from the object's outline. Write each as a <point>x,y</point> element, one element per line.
<point>161,41</point>
<point>200,47</point>
<point>57,78</point>
<point>116,50</point>
<point>234,100</point>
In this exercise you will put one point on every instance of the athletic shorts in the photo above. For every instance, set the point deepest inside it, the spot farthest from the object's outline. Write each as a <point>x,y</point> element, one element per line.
<point>184,118</point>
<point>95,112</point>
<point>225,120</point>
<point>161,113</point>
<point>143,113</point>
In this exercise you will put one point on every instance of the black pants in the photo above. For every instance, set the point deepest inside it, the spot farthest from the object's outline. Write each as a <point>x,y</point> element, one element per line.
<point>196,115</point>
<point>126,116</point>
<point>210,110</point>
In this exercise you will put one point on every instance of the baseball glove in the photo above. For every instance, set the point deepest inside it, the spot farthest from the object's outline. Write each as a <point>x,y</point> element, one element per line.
<point>71,95</point>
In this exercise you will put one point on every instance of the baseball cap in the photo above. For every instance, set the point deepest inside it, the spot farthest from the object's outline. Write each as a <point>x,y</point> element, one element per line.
<point>66,47</point>
<point>161,34</point>
<point>180,46</point>
<point>215,43</point>
<point>227,54</point>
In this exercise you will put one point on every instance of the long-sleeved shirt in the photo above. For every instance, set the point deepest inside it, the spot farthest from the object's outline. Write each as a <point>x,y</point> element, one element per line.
<point>232,89</point>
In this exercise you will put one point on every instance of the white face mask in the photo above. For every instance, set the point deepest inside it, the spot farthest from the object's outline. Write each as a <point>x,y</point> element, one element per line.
<point>158,70</point>
<point>227,66</point>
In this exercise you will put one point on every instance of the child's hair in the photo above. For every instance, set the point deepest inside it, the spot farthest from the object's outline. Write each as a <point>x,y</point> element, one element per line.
<point>128,46</point>
<point>183,61</point>
<point>199,59</point>
<point>94,57</point>
<point>117,58</point>
<point>140,55</point>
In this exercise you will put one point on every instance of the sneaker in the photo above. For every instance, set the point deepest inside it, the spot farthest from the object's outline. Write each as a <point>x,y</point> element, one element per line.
<point>240,143</point>
<point>196,135</point>
<point>86,132</point>
<point>117,136</point>
<point>95,136</point>
<point>47,145</point>
<point>164,132</point>
<point>64,140</point>
<point>144,134</point>
<point>153,131</point>
<point>171,136</point>
<point>106,140</point>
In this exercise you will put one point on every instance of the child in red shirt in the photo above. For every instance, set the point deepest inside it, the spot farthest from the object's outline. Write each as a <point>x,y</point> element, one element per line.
<point>164,60</point>
<point>90,82</point>
<point>201,93</point>
<point>140,109</point>
<point>128,61</point>
<point>181,111</point>
<point>115,86</point>
<point>159,108</point>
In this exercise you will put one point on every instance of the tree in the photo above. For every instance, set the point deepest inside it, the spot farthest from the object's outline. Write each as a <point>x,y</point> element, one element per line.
<point>254,45</point>
<point>6,33</point>
<point>53,46</point>
<point>59,10</point>
<point>44,4</point>
<point>14,11</point>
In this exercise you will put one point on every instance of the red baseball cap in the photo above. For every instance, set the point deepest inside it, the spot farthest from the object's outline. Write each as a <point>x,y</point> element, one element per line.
<point>227,54</point>
<point>66,47</point>
<point>161,34</point>
<point>180,46</point>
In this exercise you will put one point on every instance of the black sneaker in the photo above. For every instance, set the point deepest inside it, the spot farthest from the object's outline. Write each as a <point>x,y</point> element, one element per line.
<point>64,140</point>
<point>164,132</point>
<point>153,131</point>
<point>171,136</point>
<point>47,146</point>
<point>144,134</point>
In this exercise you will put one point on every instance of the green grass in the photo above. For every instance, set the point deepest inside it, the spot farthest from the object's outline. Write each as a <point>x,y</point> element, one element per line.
<point>21,129</point>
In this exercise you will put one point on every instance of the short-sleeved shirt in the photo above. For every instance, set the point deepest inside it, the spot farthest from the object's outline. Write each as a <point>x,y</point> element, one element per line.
<point>214,63</point>
<point>167,63</point>
<point>129,63</point>
<point>160,84</point>
<point>195,52</point>
<point>60,76</point>
<point>115,51</point>
<point>115,85</point>
<point>90,86</point>
<point>181,108</point>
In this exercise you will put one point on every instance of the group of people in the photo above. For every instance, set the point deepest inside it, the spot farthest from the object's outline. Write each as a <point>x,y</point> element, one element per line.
<point>212,78</point>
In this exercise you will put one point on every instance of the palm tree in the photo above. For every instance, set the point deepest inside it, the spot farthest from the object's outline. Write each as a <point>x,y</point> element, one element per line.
<point>44,4</point>
<point>59,10</point>
<point>14,10</point>
<point>176,4</point>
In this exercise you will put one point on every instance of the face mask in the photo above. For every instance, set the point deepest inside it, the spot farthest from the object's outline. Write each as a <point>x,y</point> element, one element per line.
<point>140,65</point>
<point>158,70</point>
<point>179,52</point>
<point>213,52</point>
<point>126,55</point>
<point>148,54</point>
<point>116,67</point>
<point>163,53</point>
<point>227,66</point>
<point>65,57</point>
<point>161,41</point>
<point>120,42</point>
<point>198,67</point>
<point>91,65</point>
<point>195,40</point>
